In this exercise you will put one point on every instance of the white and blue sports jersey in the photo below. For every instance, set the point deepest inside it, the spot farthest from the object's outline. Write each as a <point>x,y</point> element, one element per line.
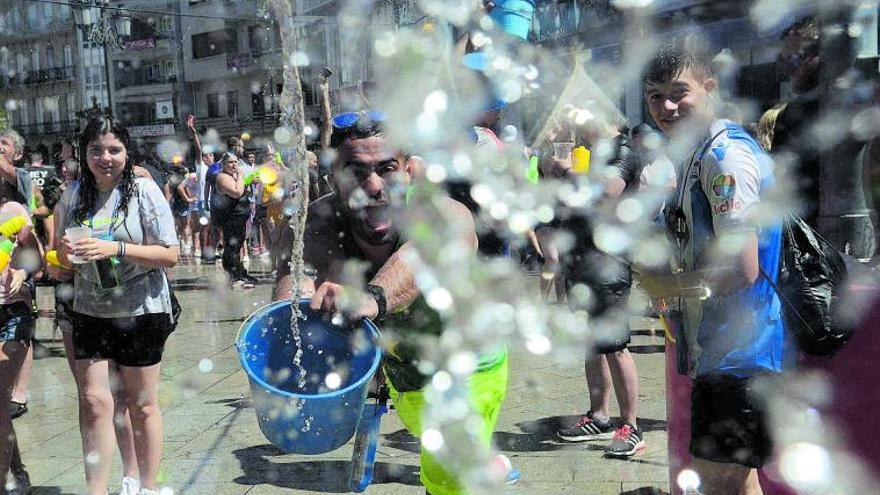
<point>719,191</point>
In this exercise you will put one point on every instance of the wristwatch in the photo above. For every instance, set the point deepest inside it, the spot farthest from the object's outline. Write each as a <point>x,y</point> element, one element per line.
<point>378,293</point>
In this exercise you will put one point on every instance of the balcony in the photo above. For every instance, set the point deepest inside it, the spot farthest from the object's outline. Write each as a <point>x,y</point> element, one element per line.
<point>239,60</point>
<point>317,7</point>
<point>129,79</point>
<point>55,74</point>
<point>256,125</point>
<point>60,128</point>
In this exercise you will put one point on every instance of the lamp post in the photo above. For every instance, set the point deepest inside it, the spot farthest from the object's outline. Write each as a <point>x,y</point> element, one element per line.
<point>99,28</point>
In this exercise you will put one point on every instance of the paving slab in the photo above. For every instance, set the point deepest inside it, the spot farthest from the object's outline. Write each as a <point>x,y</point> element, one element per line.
<point>213,444</point>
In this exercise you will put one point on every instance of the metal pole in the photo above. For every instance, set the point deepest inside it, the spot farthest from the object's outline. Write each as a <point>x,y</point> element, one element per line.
<point>106,60</point>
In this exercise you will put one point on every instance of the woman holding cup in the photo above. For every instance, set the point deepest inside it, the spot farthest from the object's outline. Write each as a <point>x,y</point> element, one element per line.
<point>118,234</point>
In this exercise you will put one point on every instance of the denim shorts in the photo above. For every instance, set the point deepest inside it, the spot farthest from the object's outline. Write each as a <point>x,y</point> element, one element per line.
<point>16,322</point>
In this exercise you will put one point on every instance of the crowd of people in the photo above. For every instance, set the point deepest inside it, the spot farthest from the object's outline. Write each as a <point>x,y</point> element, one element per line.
<point>111,219</point>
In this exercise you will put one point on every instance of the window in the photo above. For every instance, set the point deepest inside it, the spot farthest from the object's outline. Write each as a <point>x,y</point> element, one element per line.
<point>68,56</point>
<point>50,57</point>
<point>154,72</point>
<point>21,64</point>
<point>71,106</point>
<point>257,39</point>
<point>232,104</point>
<point>37,105</point>
<point>259,107</point>
<point>35,58</point>
<point>165,25</point>
<point>169,69</point>
<point>213,105</point>
<point>32,16</point>
<point>214,43</point>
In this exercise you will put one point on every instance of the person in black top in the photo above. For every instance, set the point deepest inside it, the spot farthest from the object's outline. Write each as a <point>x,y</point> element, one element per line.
<point>231,208</point>
<point>609,279</point>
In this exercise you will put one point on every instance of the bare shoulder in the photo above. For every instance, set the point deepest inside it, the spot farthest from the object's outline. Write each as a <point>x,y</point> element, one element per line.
<point>455,208</point>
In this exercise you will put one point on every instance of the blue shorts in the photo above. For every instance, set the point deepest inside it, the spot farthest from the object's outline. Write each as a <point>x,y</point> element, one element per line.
<point>16,322</point>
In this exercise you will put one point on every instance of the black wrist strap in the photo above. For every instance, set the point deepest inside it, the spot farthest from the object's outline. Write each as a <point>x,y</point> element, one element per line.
<point>378,294</point>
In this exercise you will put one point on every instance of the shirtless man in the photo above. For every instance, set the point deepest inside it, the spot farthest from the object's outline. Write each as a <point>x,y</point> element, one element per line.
<point>366,166</point>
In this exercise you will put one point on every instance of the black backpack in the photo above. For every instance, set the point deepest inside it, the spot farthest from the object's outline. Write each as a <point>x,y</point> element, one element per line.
<point>812,280</point>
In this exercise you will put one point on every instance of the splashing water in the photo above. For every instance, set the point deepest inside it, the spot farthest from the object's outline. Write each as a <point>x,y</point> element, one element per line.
<point>292,118</point>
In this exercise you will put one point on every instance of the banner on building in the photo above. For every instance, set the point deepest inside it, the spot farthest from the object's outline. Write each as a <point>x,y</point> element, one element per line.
<point>151,130</point>
<point>165,109</point>
<point>143,44</point>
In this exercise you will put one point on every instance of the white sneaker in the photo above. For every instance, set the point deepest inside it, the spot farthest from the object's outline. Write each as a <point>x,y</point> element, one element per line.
<point>197,253</point>
<point>146,491</point>
<point>130,486</point>
<point>246,259</point>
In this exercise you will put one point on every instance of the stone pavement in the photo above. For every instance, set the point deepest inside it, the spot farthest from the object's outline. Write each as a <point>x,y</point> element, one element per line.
<point>214,446</point>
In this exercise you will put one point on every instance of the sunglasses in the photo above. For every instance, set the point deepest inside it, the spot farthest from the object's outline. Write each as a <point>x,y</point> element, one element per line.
<point>364,119</point>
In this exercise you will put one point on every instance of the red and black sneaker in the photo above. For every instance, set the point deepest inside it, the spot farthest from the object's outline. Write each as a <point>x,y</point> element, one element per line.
<point>627,441</point>
<point>587,428</point>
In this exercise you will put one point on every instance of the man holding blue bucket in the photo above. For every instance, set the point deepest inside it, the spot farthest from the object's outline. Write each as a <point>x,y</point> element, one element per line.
<point>343,228</point>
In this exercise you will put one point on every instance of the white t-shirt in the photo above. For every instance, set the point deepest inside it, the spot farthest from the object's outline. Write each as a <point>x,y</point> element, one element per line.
<point>148,221</point>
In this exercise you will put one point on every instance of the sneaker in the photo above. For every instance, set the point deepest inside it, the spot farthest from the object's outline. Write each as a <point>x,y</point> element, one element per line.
<point>197,253</point>
<point>627,441</point>
<point>238,284</point>
<point>22,482</point>
<point>247,277</point>
<point>17,409</point>
<point>587,428</point>
<point>130,486</point>
<point>511,474</point>
<point>246,284</point>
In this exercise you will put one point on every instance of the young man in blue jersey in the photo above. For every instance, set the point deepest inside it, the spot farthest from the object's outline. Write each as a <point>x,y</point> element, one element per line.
<point>726,245</point>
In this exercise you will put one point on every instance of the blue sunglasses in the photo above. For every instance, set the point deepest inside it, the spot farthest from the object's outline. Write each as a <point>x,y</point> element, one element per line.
<point>364,118</point>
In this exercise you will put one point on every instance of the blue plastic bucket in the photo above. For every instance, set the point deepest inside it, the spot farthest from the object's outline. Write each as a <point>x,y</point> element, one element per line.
<point>513,16</point>
<point>314,418</point>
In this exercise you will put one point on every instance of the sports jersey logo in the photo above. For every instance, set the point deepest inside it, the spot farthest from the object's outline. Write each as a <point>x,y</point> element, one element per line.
<point>720,150</point>
<point>727,206</point>
<point>723,186</point>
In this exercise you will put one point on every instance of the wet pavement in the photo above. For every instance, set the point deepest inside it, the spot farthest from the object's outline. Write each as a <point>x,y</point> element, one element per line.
<point>214,446</point>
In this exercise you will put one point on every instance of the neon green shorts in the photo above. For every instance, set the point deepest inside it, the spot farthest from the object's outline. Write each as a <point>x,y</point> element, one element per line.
<point>486,391</point>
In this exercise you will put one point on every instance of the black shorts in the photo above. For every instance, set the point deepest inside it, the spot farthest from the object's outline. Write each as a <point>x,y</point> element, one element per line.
<point>261,213</point>
<point>727,424</point>
<point>610,282</point>
<point>16,323</point>
<point>133,341</point>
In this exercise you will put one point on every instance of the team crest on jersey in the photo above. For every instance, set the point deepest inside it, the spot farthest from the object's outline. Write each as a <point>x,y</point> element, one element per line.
<point>723,186</point>
<point>720,150</point>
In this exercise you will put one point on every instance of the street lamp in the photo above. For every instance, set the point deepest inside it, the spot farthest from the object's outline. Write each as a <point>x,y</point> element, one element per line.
<point>100,29</point>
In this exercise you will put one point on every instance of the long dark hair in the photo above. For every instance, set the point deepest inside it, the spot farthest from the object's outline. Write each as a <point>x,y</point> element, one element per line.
<point>88,190</point>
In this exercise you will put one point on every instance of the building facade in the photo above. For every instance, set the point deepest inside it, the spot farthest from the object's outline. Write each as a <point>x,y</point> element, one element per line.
<point>42,70</point>
<point>149,78</point>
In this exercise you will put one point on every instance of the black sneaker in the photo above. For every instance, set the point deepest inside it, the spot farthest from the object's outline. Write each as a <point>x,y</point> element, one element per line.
<point>250,278</point>
<point>17,409</point>
<point>627,441</point>
<point>22,482</point>
<point>587,428</point>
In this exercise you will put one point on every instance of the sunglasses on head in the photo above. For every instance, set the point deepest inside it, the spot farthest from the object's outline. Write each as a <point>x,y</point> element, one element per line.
<point>363,119</point>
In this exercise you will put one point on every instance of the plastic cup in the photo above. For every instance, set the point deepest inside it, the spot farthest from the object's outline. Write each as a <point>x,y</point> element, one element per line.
<point>75,234</point>
<point>563,150</point>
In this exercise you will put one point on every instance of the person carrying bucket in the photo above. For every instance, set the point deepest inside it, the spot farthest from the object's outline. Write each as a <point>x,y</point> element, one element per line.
<point>337,233</point>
